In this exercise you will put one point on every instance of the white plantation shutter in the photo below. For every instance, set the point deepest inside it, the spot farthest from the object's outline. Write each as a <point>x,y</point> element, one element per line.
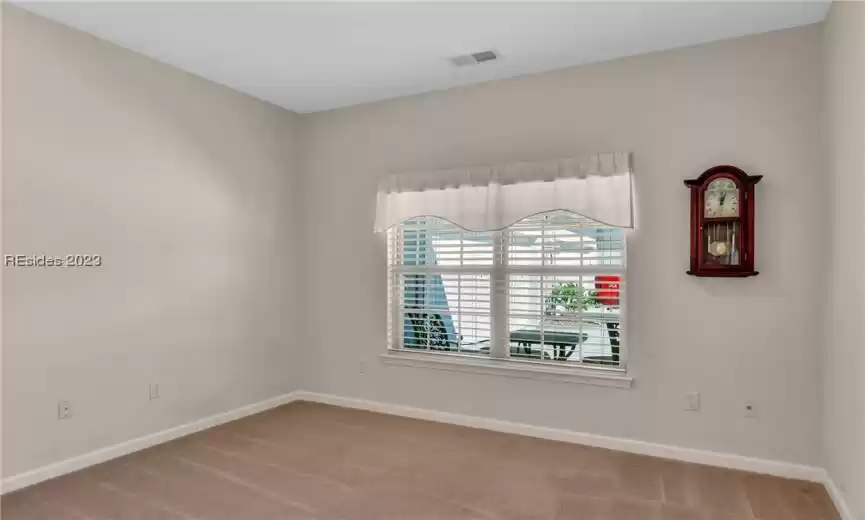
<point>565,285</point>
<point>547,289</point>
<point>440,278</point>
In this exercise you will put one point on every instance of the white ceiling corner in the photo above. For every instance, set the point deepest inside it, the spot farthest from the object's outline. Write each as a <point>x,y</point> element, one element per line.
<point>316,56</point>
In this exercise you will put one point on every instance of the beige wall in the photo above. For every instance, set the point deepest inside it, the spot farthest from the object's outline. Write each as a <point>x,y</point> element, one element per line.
<point>187,190</point>
<point>753,102</point>
<point>844,345</point>
<point>190,192</point>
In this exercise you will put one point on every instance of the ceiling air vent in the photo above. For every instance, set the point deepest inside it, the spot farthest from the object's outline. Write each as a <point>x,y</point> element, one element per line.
<point>474,58</point>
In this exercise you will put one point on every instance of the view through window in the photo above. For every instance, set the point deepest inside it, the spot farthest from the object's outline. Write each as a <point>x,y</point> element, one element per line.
<point>547,289</point>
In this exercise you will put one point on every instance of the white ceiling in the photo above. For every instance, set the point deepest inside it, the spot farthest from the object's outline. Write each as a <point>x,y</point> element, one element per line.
<point>315,56</point>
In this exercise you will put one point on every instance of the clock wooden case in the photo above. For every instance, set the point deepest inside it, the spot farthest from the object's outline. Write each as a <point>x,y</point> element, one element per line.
<point>722,222</point>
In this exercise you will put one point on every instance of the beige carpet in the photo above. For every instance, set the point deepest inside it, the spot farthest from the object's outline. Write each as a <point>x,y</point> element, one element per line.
<point>308,461</point>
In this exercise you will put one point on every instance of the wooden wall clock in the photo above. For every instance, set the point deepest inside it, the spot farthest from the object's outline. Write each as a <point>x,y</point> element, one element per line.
<point>722,222</point>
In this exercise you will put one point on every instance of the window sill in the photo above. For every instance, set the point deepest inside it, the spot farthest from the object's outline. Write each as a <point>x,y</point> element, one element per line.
<point>609,377</point>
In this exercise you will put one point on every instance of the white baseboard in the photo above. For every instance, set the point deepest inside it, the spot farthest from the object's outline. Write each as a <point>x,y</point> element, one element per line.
<point>63,467</point>
<point>711,458</point>
<point>836,496</point>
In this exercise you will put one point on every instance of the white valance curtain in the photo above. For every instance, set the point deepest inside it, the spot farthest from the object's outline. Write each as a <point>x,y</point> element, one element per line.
<point>494,197</point>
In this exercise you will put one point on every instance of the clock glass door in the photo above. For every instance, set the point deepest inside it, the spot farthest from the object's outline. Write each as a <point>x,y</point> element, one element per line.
<point>721,243</point>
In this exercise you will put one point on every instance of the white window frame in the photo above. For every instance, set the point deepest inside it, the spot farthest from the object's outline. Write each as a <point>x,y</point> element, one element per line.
<point>499,362</point>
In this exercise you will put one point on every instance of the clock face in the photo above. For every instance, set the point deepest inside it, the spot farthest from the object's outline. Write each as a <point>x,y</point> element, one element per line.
<point>721,199</point>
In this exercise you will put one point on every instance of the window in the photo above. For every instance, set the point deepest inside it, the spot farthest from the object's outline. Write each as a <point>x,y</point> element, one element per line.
<point>548,289</point>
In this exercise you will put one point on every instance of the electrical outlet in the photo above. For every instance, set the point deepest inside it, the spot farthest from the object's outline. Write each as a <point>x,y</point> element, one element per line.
<point>693,402</point>
<point>64,410</point>
<point>154,391</point>
<point>750,410</point>
<point>361,367</point>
